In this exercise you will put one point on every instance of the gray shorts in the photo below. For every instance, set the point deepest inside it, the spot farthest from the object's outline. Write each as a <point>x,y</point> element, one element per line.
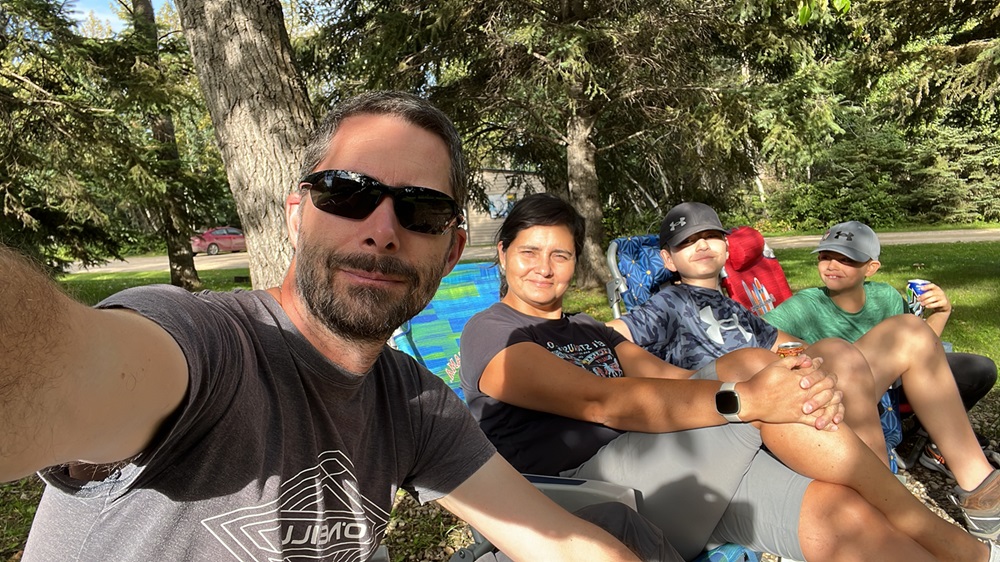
<point>707,486</point>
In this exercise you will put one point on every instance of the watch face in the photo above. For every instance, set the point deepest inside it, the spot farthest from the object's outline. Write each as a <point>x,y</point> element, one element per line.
<point>727,402</point>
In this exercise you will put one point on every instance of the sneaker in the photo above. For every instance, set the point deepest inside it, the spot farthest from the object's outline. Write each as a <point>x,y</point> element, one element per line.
<point>994,551</point>
<point>981,507</point>
<point>931,458</point>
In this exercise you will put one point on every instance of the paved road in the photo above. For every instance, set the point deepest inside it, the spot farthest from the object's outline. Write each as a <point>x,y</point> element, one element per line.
<point>239,260</point>
<point>888,238</point>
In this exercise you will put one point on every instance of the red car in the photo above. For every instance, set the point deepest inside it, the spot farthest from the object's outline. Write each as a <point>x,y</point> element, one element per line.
<point>218,239</point>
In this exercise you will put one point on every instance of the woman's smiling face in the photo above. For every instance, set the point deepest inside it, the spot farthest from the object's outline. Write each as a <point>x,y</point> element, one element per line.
<point>538,266</point>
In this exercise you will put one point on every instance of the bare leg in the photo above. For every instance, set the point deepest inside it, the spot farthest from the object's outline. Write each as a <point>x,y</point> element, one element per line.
<point>856,381</point>
<point>841,458</point>
<point>838,524</point>
<point>903,346</point>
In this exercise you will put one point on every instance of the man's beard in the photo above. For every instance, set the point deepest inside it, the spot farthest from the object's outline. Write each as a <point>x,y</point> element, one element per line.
<point>364,314</point>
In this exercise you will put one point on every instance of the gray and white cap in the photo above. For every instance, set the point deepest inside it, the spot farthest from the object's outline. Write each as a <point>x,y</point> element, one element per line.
<point>686,219</point>
<point>853,239</point>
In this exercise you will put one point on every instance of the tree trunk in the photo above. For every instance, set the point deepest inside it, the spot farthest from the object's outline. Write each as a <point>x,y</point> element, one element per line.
<point>581,161</point>
<point>175,228</point>
<point>260,112</point>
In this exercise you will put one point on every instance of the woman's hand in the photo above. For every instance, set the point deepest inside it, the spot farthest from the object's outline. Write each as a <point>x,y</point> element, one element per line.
<point>793,390</point>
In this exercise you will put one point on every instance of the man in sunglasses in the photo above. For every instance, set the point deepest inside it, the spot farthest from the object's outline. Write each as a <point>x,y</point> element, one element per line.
<point>267,425</point>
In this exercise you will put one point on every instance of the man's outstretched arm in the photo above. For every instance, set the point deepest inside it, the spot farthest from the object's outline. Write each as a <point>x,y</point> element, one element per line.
<point>523,523</point>
<point>77,384</point>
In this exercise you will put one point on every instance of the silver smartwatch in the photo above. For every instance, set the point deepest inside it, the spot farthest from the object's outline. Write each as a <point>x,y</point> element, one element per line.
<point>727,402</point>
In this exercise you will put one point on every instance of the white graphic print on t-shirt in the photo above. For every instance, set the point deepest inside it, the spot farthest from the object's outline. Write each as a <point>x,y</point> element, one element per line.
<point>320,515</point>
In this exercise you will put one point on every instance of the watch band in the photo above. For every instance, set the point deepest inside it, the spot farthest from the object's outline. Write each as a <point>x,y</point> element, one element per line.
<point>734,417</point>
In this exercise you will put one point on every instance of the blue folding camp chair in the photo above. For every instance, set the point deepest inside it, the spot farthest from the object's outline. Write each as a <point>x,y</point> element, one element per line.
<point>637,271</point>
<point>432,338</point>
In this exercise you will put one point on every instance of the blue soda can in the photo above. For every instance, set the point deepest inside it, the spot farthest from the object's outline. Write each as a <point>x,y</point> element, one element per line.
<point>915,288</point>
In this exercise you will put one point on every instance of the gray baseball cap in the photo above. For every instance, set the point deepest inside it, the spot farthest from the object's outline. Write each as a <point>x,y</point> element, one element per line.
<point>687,219</point>
<point>853,239</point>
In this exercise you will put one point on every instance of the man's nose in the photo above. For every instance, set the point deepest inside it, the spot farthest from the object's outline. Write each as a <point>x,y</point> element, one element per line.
<point>382,227</point>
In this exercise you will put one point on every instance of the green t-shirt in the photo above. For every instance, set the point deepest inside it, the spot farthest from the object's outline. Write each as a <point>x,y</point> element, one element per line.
<point>811,315</point>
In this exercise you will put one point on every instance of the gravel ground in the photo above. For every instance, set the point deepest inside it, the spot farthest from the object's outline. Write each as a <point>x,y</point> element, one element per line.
<point>429,533</point>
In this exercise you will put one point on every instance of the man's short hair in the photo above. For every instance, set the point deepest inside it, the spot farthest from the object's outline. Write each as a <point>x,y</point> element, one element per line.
<point>408,107</point>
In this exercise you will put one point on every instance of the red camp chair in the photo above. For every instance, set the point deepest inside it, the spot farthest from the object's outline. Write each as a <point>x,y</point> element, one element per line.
<point>753,277</point>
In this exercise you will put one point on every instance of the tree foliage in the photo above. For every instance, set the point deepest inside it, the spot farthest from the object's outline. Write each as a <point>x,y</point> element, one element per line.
<point>78,175</point>
<point>49,117</point>
<point>618,105</point>
<point>916,122</point>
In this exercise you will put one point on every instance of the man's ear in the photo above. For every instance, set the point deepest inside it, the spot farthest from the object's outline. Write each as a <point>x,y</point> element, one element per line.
<point>668,260</point>
<point>458,241</point>
<point>293,215</point>
<point>872,267</point>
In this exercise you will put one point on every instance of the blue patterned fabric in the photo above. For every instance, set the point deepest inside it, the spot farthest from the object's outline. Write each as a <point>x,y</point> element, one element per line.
<point>728,553</point>
<point>431,337</point>
<point>641,266</point>
<point>891,424</point>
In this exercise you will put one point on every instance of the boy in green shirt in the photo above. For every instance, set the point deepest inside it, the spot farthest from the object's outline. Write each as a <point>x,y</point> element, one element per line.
<point>873,316</point>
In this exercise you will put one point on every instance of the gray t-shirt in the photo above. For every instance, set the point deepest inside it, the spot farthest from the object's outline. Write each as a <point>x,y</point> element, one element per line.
<point>691,326</point>
<point>531,440</point>
<point>274,454</point>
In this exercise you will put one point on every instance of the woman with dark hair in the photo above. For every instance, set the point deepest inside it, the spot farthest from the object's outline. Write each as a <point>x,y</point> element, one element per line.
<point>562,394</point>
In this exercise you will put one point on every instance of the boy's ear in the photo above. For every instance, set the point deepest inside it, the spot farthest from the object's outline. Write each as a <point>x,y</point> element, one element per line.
<point>668,260</point>
<point>872,267</point>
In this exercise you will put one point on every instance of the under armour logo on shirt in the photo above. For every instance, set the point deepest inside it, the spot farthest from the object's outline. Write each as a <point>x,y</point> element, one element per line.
<point>674,225</point>
<point>715,327</point>
<point>841,233</point>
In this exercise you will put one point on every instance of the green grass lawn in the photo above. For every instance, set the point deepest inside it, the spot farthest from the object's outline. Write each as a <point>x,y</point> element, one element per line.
<point>91,288</point>
<point>969,273</point>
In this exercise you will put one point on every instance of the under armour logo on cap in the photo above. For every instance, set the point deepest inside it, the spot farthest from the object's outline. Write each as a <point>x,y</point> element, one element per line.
<point>853,239</point>
<point>686,219</point>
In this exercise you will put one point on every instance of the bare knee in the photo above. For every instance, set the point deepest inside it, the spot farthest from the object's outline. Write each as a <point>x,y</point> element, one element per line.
<point>910,333</point>
<point>837,523</point>
<point>848,363</point>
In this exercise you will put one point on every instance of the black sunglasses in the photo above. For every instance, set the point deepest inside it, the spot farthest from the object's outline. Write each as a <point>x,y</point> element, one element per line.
<point>354,196</point>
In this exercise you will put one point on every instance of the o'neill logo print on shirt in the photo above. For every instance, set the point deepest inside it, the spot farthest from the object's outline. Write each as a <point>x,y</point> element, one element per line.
<point>320,515</point>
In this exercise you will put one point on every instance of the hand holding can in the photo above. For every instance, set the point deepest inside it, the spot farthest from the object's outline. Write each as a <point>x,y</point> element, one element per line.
<point>915,288</point>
